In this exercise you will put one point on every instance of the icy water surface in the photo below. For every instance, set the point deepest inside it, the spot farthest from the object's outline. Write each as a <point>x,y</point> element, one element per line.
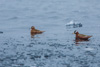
<point>55,47</point>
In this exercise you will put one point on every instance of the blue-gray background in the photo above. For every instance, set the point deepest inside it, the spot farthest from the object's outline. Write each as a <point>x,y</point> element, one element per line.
<point>56,46</point>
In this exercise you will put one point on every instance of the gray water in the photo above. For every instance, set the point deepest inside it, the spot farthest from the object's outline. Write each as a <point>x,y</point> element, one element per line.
<point>56,47</point>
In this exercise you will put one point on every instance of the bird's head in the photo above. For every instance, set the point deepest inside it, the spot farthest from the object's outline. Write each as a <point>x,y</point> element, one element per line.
<point>32,27</point>
<point>76,32</point>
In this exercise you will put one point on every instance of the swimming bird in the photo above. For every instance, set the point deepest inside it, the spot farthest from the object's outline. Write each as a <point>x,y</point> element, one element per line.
<point>81,36</point>
<point>35,31</point>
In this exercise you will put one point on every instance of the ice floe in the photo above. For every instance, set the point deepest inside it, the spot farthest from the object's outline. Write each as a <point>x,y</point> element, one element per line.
<point>74,24</point>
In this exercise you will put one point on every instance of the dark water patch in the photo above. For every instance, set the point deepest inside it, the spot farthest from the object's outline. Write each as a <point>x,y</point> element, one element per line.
<point>36,43</point>
<point>30,45</point>
<point>53,39</point>
<point>51,12</point>
<point>20,44</point>
<point>34,57</point>
<point>1,32</point>
<point>47,56</point>
<point>14,18</point>
<point>5,43</point>
<point>57,45</point>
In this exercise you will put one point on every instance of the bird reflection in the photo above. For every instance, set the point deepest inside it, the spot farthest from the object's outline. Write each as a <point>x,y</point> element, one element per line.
<point>78,41</point>
<point>32,35</point>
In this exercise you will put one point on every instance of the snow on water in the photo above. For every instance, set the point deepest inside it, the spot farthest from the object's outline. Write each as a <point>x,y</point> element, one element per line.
<point>56,47</point>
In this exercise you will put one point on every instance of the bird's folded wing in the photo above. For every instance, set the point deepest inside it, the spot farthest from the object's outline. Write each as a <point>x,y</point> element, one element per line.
<point>83,36</point>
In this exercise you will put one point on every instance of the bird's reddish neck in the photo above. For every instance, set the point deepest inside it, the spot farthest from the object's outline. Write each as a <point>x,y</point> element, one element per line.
<point>77,34</point>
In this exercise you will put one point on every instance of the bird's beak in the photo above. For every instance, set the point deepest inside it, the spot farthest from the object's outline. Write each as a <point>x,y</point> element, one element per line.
<point>73,33</point>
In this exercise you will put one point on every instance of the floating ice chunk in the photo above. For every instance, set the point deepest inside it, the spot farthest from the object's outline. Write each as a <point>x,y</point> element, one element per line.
<point>70,23</point>
<point>74,24</point>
